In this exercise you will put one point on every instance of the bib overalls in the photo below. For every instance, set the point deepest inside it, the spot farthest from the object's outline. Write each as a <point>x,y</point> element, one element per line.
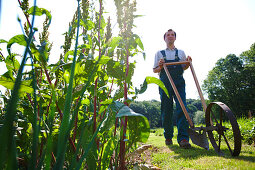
<point>176,72</point>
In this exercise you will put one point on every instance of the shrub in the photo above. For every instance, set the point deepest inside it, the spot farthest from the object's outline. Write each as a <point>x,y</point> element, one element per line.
<point>199,117</point>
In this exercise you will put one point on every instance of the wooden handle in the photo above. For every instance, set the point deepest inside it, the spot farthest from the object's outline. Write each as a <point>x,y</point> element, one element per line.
<point>195,79</point>
<point>177,63</point>
<point>198,87</point>
<point>178,95</point>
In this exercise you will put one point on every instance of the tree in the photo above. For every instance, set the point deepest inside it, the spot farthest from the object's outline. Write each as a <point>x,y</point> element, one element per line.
<point>228,82</point>
<point>150,109</point>
<point>248,79</point>
<point>199,117</point>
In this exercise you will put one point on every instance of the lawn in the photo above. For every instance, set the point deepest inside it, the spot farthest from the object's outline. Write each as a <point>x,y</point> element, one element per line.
<point>174,157</point>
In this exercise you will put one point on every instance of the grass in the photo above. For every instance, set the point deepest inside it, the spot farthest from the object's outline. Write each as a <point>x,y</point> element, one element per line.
<point>174,157</point>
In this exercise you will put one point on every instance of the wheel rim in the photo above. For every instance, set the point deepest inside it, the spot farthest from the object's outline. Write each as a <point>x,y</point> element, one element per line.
<point>218,119</point>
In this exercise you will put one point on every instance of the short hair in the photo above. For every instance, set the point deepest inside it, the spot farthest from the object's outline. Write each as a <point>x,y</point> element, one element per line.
<point>168,31</point>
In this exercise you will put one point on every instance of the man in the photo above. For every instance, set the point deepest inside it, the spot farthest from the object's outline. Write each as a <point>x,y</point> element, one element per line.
<point>172,54</point>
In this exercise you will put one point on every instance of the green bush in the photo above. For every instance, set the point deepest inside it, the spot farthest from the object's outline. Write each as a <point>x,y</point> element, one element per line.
<point>247,128</point>
<point>199,117</point>
<point>159,132</point>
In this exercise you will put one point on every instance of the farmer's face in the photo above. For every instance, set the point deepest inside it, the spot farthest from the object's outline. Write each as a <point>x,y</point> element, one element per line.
<point>170,37</point>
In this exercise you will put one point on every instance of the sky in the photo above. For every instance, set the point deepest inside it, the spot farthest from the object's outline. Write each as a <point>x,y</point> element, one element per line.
<point>207,30</point>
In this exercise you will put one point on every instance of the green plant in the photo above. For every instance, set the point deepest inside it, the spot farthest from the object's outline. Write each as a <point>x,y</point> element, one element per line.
<point>159,132</point>
<point>199,117</point>
<point>247,128</point>
<point>69,111</point>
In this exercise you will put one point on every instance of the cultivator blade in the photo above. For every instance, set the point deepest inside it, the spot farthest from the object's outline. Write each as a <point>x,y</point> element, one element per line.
<point>199,139</point>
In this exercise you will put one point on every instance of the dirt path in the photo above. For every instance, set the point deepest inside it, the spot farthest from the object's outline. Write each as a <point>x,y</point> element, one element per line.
<point>141,158</point>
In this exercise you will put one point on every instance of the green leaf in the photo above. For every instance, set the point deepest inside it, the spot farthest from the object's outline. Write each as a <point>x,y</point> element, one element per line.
<point>149,80</point>
<point>71,52</point>
<point>130,72</point>
<point>113,44</point>
<point>19,39</point>
<point>103,59</point>
<point>115,69</point>
<point>88,24</point>
<point>12,63</point>
<point>9,83</point>
<point>157,81</point>
<point>138,41</point>
<point>108,150</point>
<point>126,111</point>
<point>3,41</point>
<point>107,101</point>
<point>66,76</point>
<point>39,12</point>
<point>138,125</point>
<point>103,23</point>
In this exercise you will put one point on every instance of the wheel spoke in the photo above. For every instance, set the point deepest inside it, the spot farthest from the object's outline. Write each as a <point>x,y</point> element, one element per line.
<point>229,148</point>
<point>221,116</point>
<point>213,116</point>
<point>217,121</point>
<point>219,142</point>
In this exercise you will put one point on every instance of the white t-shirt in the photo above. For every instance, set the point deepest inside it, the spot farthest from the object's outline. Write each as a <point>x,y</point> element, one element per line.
<point>170,55</point>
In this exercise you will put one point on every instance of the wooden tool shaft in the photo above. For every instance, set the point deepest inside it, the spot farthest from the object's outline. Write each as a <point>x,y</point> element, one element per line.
<point>178,96</point>
<point>198,87</point>
<point>177,63</point>
<point>195,79</point>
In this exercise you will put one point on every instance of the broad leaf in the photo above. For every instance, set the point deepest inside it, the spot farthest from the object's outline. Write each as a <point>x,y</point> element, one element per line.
<point>138,125</point>
<point>39,12</point>
<point>138,41</point>
<point>113,44</point>
<point>12,63</point>
<point>103,59</point>
<point>149,80</point>
<point>3,41</point>
<point>19,39</point>
<point>9,83</point>
<point>88,24</point>
<point>115,69</point>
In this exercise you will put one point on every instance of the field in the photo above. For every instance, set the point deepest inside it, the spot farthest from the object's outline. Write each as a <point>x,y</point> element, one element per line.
<point>173,157</point>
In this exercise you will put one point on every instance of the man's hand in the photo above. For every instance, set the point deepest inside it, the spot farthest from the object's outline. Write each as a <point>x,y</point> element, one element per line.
<point>189,58</point>
<point>160,66</point>
<point>187,65</point>
<point>161,62</point>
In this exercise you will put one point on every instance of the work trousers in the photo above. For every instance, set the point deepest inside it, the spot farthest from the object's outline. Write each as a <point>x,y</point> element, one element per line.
<point>167,109</point>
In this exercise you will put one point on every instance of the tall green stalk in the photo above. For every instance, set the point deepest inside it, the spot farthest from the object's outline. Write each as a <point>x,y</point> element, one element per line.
<point>64,132</point>
<point>35,125</point>
<point>8,142</point>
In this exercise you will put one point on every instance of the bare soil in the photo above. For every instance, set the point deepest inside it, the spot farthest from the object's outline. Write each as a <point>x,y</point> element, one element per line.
<point>141,159</point>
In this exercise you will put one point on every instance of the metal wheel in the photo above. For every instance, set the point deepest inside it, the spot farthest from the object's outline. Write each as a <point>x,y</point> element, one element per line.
<point>217,114</point>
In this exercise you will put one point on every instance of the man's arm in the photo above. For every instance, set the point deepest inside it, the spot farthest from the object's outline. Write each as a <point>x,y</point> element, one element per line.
<point>159,67</point>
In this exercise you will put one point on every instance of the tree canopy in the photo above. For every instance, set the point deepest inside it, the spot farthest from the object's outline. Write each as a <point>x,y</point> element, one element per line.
<point>232,81</point>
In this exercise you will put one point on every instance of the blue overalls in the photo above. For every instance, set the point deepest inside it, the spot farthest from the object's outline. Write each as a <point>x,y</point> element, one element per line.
<point>176,72</point>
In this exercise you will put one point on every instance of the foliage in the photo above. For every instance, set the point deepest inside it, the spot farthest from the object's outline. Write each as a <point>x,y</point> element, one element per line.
<point>247,128</point>
<point>232,81</point>
<point>151,110</point>
<point>199,117</point>
<point>69,111</point>
<point>150,80</point>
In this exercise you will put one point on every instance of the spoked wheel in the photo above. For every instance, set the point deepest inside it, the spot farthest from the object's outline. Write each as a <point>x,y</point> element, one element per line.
<point>217,114</point>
